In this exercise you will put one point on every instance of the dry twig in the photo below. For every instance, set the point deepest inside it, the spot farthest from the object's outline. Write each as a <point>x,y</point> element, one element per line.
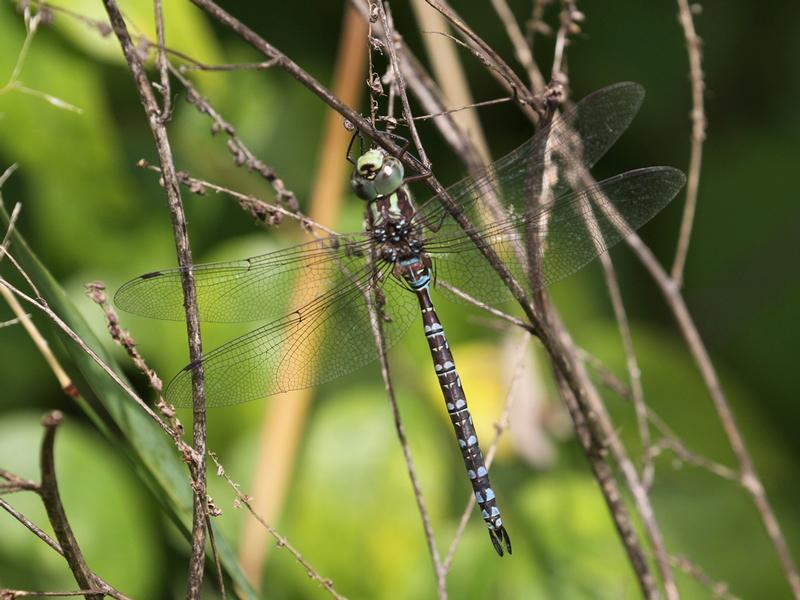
<point>172,187</point>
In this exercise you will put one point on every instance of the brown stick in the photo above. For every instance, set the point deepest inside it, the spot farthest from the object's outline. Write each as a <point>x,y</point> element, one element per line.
<point>693,43</point>
<point>748,477</point>
<point>55,510</point>
<point>172,187</point>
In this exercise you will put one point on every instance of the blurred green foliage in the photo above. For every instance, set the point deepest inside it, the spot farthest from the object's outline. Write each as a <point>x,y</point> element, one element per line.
<point>90,214</point>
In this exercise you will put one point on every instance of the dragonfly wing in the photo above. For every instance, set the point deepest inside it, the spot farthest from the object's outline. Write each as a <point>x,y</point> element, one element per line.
<point>251,289</point>
<point>328,338</point>
<point>577,138</point>
<point>572,231</point>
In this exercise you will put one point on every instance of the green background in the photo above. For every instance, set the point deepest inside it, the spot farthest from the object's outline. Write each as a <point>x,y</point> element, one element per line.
<point>90,213</point>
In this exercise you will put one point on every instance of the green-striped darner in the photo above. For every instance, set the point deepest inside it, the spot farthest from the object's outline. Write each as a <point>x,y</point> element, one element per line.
<point>402,253</point>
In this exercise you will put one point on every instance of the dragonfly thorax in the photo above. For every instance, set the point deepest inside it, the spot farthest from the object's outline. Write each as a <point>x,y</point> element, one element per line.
<point>390,222</point>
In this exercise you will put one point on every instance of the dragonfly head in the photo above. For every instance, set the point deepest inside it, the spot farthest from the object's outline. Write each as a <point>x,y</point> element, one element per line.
<point>376,174</point>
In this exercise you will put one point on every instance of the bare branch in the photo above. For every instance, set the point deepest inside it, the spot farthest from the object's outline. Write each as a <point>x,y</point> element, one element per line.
<point>241,153</point>
<point>398,80</point>
<point>55,510</point>
<point>693,44</point>
<point>172,187</point>
<point>521,49</point>
<point>241,498</point>
<point>161,62</point>
<point>31,526</point>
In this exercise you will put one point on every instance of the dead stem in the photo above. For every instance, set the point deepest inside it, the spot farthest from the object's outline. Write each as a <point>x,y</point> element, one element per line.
<point>172,187</point>
<point>693,45</point>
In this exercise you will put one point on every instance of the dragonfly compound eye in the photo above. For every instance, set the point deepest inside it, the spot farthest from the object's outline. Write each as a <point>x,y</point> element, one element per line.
<point>364,188</point>
<point>390,177</point>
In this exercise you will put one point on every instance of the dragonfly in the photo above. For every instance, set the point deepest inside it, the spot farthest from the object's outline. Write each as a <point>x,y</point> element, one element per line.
<point>336,285</point>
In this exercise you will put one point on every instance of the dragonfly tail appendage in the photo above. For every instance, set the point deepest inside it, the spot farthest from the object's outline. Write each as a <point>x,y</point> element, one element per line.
<point>499,537</point>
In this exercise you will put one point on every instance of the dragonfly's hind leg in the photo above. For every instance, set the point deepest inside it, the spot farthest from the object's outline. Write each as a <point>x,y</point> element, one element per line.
<point>499,537</point>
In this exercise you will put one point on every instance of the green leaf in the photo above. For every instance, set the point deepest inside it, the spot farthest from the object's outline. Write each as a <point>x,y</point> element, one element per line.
<point>152,453</point>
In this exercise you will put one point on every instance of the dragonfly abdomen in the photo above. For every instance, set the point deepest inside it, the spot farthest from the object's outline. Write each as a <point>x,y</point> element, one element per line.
<point>457,409</point>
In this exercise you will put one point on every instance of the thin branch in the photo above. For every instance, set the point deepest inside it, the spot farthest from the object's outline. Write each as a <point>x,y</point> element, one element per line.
<point>16,483</point>
<point>9,594</point>
<point>241,153</point>
<point>451,87</point>
<point>12,220</point>
<point>497,66</point>
<point>95,291</point>
<point>718,589</point>
<point>31,526</point>
<point>213,511</point>
<point>172,187</point>
<point>693,44</point>
<point>258,209</point>
<point>11,322</point>
<point>161,62</point>
<point>569,18</point>
<point>521,49</point>
<point>55,510</point>
<point>398,80</point>
<point>450,111</point>
<point>243,499</point>
<point>632,363</point>
<point>198,66</point>
<point>440,571</point>
<point>482,305</point>
<point>32,22</point>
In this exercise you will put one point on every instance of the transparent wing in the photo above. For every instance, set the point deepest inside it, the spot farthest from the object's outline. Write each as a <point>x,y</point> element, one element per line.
<point>325,339</point>
<point>577,138</point>
<point>573,230</point>
<point>251,289</point>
